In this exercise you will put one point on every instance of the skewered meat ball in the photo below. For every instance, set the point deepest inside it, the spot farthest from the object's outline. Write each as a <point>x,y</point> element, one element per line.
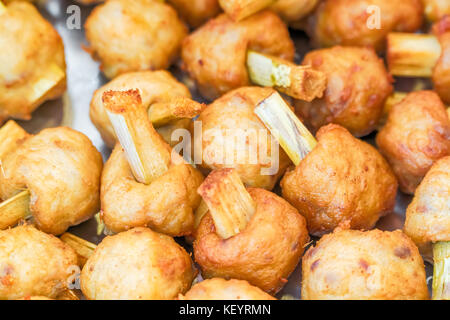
<point>337,179</point>
<point>215,54</point>
<point>232,136</point>
<point>144,183</point>
<point>133,35</point>
<point>357,265</point>
<point>59,169</point>
<point>196,12</point>
<point>221,289</point>
<point>363,22</point>
<point>138,264</point>
<point>358,86</point>
<point>248,234</point>
<point>33,263</point>
<point>161,95</point>
<point>32,66</point>
<point>416,135</point>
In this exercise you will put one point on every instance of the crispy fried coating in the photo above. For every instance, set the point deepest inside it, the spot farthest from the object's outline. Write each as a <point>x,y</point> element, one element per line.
<point>33,263</point>
<point>416,135</point>
<point>31,47</point>
<point>358,85</point>
<point>196,12</point>
<point>221,289</point>
<point>61,169</point>
<point>215,55</point>
<point>428,215</point>
<point>154,87</point>
<point>358,265</point>
<point>134,35</point>
<point>293,11</point>
<point>342,181</point>
<point>138,264</point>
<point>436,9</point>
<point>234,137</point>
<point>363,22</point>
<point>441,72</point>
<point>264,253</point>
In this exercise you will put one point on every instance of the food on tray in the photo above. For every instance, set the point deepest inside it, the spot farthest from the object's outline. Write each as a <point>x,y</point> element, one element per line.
<point>32,65</point>
<point>248,234</point>
<point>338,180</point>
<point>370,265</point>
<point>53,177</point>
<point>416,135</point>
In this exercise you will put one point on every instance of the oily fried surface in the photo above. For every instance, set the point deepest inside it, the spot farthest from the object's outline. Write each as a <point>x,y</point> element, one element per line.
<point>33,263</point>
<point>358,85</point>
<point>342,181</point>
<point>371,265</point>
<point>221,289</point>
<point>138,264</point>
<point>196,12</point>
<point>416,135</point>
<point>215,55</point>
<point>264,253</point>
<point>134,35</point>
<point>61,169</point>
<point>293,11</point>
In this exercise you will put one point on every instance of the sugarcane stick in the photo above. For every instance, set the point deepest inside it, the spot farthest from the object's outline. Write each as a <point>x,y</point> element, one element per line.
<point>83,248</point>
<point>52,77</point>
<point>441,276</point>
<point>15,209</point>
<point>163,113</point>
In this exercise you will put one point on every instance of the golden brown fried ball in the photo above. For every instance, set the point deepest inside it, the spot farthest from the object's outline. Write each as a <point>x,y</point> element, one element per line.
<point>154,86</point>
<point>221,289</point>
<point>264,253</point>
<point>416,135</point>
<point>357,265</point>
<point>196,12</point>
<point>31,51</point>
<point>358,85</point>
<point>436,9</point>
<point>441,72</point>
<point>215,55</point>
<point>343,180</point>
<point>225,123</point>
<point>293,11</point>
<point>61,169</point>
<point>355,22</point>
<point>33,263</point>
<point>138,264</point>
<point>134,35</point>
<point>428,215</point>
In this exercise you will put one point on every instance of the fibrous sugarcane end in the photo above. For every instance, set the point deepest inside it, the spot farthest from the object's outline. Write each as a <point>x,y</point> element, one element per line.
<point>441,276</point>
<point>119,101</point>
<point>52,78</point>
<point>15,209</point>
<point>83,248</point>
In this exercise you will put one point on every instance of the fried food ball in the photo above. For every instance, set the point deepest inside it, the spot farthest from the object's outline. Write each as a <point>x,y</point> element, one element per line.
<point>61,169</point>
<point>293,11</point>
<point>221,289</point>
<point>196,12</point>
<point>134,35</point>
<point>416,135</point>
<point>358,85</point>
<point>232,136</point>
<point>154,86</point>
<point>33,263</point>
<point>363,22</point>
<point>138,264</point>
<point>441,71</point>
<point>428,215</point>
<point>265,253</point>
<point>215,55</point>
<point>343,180</point>
<point>32,65</point>
<point>436,9</point>
<point>357,265</point>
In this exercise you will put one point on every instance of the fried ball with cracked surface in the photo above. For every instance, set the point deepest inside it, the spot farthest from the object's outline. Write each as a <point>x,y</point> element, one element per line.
<point>343,180</point>
<point>225,123</point>
<point>215,55</point>
<point>364,265</point>
<point>138,264</point>
<point>134,35</point>
<point>441,71</point>
<point>358,85</point>
<point>196,12</point>
<point>61,169</point>
<point>416,135</point>
<point>354,22</point>
<point>293,11</point>
<point>265,253</point>
<point>33,263</point>
<point>32,50</point>
<point>428,215</point>
<point>221,289</point>
<point>155,87</point>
